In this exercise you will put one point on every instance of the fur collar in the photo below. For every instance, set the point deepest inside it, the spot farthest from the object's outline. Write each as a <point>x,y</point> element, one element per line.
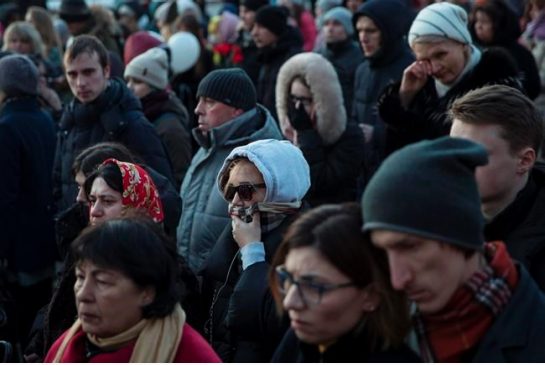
<point>326,91</point>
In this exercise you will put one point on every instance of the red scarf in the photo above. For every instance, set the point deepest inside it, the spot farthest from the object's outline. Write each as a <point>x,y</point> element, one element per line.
<point>139,191</point>
<point>448,335</point>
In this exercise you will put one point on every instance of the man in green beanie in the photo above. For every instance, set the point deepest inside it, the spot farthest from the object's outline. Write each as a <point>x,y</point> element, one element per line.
<point>473,303</point>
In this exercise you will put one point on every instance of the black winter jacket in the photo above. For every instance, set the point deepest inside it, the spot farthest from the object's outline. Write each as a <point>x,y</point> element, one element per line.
<point>350,348</point>
<point>243,325</point>
<point>517,333</point>
<point>426,117</point>
<point>522,226</point>
<point>116,115</point>
<point>345,57</point>
<point>27,148</point>
<point>271,59</point>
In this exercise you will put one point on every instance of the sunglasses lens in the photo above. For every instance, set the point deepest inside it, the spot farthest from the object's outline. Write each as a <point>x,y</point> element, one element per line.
<point>245,192</point>
<point>230,193</point>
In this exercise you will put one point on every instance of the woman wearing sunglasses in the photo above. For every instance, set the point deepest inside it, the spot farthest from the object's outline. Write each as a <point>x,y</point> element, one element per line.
<point>310,107</point>
<point>264,183</point>
<point>334,284</point>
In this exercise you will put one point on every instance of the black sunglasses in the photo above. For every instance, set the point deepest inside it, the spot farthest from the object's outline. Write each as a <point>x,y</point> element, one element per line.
<point>245,191</point>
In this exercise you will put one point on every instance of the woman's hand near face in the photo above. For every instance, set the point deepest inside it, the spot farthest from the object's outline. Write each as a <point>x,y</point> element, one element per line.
<point>414,78</point>
<point>245,233</point>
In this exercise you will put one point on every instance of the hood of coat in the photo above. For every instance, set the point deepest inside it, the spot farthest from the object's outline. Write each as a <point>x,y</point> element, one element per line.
<point>326,92</point>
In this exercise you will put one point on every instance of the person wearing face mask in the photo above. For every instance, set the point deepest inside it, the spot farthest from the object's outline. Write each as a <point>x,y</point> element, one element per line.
<point>264,183</point>
<point>447,66</point>
<point>312,115</point>
<point>334,286</point>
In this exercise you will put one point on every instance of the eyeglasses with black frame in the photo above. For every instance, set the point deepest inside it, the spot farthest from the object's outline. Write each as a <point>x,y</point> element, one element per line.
<point>306,101</point>
<point>245,191</point>
<point>310,292</point>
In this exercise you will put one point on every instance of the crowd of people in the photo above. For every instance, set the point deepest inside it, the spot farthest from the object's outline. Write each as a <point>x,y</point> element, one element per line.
<point>274,181</point>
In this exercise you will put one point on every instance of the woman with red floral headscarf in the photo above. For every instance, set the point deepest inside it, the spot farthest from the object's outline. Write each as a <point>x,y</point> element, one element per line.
<point>117,186</point>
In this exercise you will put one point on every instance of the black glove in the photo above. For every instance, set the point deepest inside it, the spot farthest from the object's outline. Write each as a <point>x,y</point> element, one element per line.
<point>299,119</point>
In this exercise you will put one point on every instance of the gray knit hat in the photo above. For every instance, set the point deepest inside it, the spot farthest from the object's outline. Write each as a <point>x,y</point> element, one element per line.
<point>429,189</point>
<point>343,16</point>
<point>150,67</point>
<point>441,19</point>
<point>231,86</point>
<point>18,76</point>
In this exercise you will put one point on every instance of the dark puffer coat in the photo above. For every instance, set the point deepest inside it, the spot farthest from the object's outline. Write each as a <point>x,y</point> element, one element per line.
<point>386,66</point>
<point>349,348</point>
<point>522,226</point>
<point>116,115</point>
<point>271,59</point>
<point>426,117</point>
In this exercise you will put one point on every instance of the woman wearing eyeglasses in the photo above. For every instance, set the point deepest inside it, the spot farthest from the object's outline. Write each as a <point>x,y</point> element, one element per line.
<point>264,183</point>
<point>311,112</point>
<point>334,285</point>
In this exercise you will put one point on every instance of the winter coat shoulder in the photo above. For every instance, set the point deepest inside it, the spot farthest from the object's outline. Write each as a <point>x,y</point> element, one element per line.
<point>349,348</point>
<point>116,115</point>
<point>193,348</point>
<point>204,213</point>
<point>522,226</point>
<point>517,333</point>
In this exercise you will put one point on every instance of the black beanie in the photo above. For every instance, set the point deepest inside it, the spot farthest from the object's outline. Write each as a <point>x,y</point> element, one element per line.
<point>429,189</point>
<point>231,86</point>
<point>18,76</point>
<point>254,5</point>
<point>74,11</point>
<point>274,18</point>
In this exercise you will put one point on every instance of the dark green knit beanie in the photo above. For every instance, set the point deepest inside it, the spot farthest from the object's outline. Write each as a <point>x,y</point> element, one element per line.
<point>429,189</point>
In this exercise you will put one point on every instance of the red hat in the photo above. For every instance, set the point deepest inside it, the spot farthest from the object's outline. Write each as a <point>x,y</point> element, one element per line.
<point>139,43</point>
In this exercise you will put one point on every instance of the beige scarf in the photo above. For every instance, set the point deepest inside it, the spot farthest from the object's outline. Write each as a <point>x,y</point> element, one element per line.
<point>158,338</point>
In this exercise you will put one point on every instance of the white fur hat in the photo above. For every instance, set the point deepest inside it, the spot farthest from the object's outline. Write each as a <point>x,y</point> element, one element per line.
<point>441,19</point>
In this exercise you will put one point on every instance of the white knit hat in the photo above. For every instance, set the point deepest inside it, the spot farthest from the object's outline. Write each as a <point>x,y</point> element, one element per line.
<point>441,19</point>
<point>150,67</point>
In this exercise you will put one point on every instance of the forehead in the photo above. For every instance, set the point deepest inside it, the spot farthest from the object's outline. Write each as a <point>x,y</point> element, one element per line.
<point>489,135</point>
<point>245,171</point>
<point>84,60</point>
<point>422,50</point>
<point>332,22</point>
<point>387,239</point>
<point>364,22</point>
<point>298,86</point>
<point>100,187</point>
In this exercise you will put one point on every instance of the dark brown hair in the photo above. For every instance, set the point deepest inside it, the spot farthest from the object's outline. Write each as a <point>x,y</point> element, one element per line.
<point>87,44</point>
<point>507,107</point>
<point>335,231</point>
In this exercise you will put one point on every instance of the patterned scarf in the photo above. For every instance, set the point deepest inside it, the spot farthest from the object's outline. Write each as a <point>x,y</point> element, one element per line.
<point>272,214</point>
<point>452,333</point>
<point>139,190</point>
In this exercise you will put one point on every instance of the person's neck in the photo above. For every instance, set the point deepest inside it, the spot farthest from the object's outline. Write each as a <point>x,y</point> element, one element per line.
<point>492,208</point>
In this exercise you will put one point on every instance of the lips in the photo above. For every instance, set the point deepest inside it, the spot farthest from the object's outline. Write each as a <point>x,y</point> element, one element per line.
<point>417,295</point>
<point>88,317</point>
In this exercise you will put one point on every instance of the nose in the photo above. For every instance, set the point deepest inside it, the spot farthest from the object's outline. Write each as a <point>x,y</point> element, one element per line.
<point>435,67</point>
<point>82,291</point>
<point>236,200</point>
<point>293,300</point>
<point>96,210</point>
<point>81,198</point>
<point>199,108</point>
<point>400,272</point>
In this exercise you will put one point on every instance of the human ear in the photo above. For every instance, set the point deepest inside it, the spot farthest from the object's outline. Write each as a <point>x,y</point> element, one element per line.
<point>526,160</point>
<point>370,298</point>
<point>148,296</point>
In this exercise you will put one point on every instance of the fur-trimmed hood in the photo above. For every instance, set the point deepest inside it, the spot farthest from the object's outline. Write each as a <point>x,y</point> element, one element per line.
<point>326,92</point>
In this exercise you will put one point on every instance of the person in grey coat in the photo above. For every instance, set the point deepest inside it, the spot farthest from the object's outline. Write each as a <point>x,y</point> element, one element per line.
<point>228,117</point>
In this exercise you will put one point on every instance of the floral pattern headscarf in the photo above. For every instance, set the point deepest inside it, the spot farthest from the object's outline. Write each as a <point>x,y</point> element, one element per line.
<point>139,190</point>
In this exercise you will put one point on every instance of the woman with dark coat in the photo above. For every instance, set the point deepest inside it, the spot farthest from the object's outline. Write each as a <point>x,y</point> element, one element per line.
<point>334,284</point>
<point>264,183</point>
<point>311,112</point>
<point>447,66</point>
<point>494,23</point>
